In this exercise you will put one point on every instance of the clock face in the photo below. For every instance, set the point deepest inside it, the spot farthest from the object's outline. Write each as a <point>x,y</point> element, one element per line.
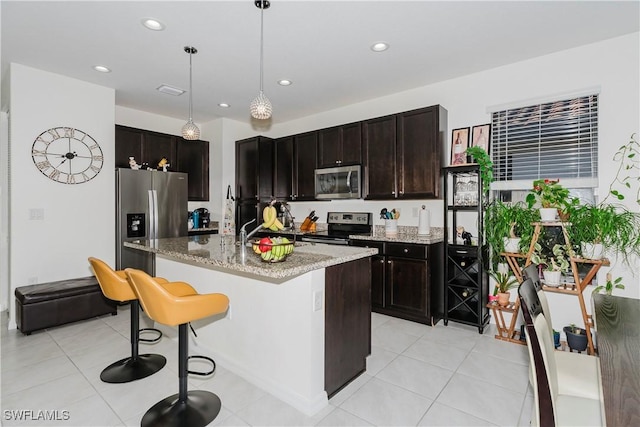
<point>67,155</point>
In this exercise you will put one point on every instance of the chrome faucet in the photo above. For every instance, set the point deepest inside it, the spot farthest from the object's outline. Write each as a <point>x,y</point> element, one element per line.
<point>244,237</point>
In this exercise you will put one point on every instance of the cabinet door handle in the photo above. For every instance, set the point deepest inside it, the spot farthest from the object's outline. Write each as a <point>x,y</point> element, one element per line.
<point>388,262</point>
<point>405,250</point>
<point>393,192</point>
<point>381,261</point>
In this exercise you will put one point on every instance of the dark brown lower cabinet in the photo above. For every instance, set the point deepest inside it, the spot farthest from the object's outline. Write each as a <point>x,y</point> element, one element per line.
<point>347,323</point>
<point>406,280</point>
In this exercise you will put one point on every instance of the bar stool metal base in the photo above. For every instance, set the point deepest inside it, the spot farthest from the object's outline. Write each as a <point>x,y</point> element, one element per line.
<point>129,369</point>
<point>198,410</point>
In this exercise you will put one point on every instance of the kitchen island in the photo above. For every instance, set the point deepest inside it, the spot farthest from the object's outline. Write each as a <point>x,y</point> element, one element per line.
<point>300,329</point>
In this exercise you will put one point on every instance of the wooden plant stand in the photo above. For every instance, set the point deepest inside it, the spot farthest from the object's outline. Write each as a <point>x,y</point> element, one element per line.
<point>576,288</point>
<point>506,333</point>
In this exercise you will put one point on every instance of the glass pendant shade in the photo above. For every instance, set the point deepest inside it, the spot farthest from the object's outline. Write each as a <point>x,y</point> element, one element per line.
<point>190,131</point>
<point>260,107</point>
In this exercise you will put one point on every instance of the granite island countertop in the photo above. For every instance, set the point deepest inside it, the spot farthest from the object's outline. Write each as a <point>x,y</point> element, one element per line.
<point>222,252</point>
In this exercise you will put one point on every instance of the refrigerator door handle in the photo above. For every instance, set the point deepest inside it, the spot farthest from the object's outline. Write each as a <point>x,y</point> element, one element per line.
<point>153,214</point>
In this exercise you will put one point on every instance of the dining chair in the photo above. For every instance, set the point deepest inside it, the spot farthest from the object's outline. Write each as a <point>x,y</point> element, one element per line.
<point>576,372</point>
<point>552,406</point>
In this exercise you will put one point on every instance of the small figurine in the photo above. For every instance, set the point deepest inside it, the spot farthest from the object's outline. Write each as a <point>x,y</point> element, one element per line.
<point>163,164</point>
<point>133,164</point>
<point>462,237</point>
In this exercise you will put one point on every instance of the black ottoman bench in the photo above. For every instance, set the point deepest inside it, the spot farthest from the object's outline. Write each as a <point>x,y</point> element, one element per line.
<point>51,304</point>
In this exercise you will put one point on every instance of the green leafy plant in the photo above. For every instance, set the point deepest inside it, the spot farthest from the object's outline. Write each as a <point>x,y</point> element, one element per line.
<point>485,164</point>
<point>609,286</point>
<point>503,219</point>
<point>556,261</point>
<point>549,193</point>
<point>614,226</point>
<point>504,281</point>
<point>628,158</point>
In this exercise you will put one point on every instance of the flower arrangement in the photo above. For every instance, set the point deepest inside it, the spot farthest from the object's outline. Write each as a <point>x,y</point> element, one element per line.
<point>549,193</point>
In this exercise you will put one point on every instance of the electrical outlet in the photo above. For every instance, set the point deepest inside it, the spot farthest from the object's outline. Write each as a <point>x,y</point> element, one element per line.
<point>317,301</point>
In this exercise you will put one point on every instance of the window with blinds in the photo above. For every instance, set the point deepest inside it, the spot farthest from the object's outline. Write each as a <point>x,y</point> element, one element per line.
<point>551,140</point>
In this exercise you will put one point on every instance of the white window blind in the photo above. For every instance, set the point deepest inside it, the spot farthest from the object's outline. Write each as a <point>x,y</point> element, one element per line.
<point>551,140</point>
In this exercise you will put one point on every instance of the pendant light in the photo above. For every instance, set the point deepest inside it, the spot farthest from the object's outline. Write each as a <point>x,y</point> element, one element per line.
<point>261,106</point>
<point>190,131</point>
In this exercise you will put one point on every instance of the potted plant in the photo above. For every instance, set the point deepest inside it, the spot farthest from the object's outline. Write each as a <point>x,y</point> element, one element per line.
<point>576,337</point>
<point>605,228</point>
<point>552,197</point>
<point>555,263</point>
<point>506,221</point>
<point>504,281</point>
<point>609,286</point>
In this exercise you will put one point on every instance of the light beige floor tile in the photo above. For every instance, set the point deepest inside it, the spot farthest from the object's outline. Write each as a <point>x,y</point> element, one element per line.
<point>436,353</point>
<point>338,398</point>
<point>494,370</point>
<point>384,404</point>
<point>339,417</point>
<point>392,339</point>
<point>481,399</point>
<point>378,359</point>
<point>440,415</point>
<point>269,411</point>
<point>417,376</point>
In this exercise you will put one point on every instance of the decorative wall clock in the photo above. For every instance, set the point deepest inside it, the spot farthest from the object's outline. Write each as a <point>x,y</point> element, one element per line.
<point>67,155</point>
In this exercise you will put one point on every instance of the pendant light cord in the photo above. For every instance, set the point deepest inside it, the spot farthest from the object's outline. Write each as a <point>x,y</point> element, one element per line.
<point>190,85</point>
<point>261,43</point>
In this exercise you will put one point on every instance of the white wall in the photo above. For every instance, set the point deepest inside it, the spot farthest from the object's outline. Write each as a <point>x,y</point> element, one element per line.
<point>78,219</point>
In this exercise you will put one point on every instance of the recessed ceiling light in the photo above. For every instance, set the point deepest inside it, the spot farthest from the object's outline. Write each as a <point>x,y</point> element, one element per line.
<point>101,68</point>
<point>224,105</point>
<point>153,24</point>
<point>170,90</point>
<point>285,82</point>
<point>379,47</point>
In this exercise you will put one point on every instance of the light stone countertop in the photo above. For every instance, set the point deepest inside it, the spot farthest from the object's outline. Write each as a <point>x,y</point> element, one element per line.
<point>405,235</point>
<point>222,252</point>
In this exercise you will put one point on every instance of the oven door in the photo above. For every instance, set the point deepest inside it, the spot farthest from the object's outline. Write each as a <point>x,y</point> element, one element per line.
<point>338,183</point>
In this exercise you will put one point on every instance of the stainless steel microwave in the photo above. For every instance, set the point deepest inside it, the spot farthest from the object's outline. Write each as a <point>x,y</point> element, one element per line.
<point>342,182</point>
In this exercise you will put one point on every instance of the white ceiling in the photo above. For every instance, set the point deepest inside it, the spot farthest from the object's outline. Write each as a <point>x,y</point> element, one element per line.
<point>322,46</point>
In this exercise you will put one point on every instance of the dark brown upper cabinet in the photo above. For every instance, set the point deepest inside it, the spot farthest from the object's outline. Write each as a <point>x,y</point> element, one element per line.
<point>149,147</point>
<point>305,149</point>
<point>254,169</point>
<point>283,169</point>
<point>380,158</point>
<point>193,158</point>
<point>340,145</point>
<point>403,154</point>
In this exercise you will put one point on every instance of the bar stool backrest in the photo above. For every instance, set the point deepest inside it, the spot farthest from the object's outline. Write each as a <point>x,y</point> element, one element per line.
<point>114,284</point>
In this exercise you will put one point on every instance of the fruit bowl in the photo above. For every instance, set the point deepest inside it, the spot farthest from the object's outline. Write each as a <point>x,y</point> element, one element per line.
<point>272,249</point>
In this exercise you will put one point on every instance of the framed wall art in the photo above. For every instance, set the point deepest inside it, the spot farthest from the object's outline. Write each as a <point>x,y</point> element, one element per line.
<point>480,136</point>
<point>459,144</point>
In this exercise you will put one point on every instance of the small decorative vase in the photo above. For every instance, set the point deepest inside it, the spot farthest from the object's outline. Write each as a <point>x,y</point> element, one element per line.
<point>556,339</point>
<point>503,298</point>
<point>548,214</point>
<point>552,278</point>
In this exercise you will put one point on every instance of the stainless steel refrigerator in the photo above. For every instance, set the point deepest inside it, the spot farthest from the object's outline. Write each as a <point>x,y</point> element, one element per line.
<point>149,205</point>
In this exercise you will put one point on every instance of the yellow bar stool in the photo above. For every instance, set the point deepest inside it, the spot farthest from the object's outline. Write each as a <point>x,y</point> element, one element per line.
<point>187,408</point>
<point>116,286</point>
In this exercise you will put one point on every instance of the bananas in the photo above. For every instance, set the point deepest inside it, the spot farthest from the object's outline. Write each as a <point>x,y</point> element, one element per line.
<point>270,218</point>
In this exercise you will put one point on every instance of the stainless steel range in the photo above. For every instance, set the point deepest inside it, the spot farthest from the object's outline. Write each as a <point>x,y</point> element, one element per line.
<point>339,226</point>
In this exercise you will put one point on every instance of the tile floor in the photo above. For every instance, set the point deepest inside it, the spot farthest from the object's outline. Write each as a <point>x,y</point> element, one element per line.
<point>417,375</point>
